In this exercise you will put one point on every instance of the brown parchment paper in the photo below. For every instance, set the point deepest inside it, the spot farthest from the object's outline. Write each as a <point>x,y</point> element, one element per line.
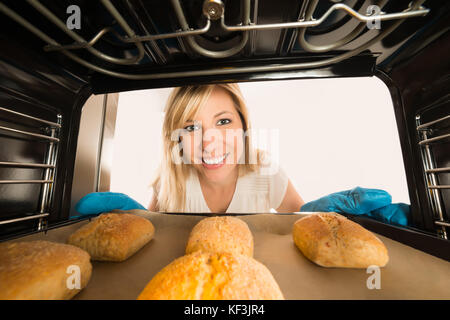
<point>410,273</point>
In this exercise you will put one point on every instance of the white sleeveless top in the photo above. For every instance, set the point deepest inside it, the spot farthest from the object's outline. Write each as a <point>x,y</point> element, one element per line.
<point>254,193</point>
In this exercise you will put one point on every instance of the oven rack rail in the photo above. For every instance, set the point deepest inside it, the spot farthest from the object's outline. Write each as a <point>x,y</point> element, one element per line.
<point>431,171</point>
<point>215,10</point>
<point>49,165</point>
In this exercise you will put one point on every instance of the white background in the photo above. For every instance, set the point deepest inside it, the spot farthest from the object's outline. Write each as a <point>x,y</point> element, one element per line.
<point>334,134</point>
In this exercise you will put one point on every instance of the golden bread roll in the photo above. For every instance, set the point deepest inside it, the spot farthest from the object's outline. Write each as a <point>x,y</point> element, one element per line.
<point>213,276</point>
<point>221,234</point>
<point>42,270</point>
<point>331,240</point>
<point>113,236</point>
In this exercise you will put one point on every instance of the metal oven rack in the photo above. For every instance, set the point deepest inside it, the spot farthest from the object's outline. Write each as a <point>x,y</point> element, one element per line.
<point>432,133</point>
<point>50,133</point>
<point>214,11</point>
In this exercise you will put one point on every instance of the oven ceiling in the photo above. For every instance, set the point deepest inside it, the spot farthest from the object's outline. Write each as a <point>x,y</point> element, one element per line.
<point>115,62</point>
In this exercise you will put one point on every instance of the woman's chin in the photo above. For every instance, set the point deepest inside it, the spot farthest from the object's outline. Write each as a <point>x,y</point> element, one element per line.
<point>216,173</point>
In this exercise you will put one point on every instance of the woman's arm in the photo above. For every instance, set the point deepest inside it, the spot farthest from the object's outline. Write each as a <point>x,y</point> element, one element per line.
<point>292,201</point>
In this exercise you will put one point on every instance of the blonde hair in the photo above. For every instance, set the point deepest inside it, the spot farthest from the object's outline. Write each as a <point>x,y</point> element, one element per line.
<point>183,104</point>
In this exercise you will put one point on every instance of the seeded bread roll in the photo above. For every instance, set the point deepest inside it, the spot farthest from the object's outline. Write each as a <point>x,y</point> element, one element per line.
<point>221,234</point>
<point>42,270</point>
<point>113,236</point>
<point>331,240</point>
<point>213,276</point>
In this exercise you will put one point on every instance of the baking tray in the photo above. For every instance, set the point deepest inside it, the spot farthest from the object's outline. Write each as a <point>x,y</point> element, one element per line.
<point>410,273</point>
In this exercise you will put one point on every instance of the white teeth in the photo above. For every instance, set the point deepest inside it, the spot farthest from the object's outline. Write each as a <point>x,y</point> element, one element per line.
<point>215,160</point>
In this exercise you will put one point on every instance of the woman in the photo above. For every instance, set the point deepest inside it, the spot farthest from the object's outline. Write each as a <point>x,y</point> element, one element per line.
<point>208,163</point>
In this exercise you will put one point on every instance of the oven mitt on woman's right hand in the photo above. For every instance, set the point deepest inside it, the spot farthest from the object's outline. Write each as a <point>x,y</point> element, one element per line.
<point>373,203</point>
<point>98,202</point>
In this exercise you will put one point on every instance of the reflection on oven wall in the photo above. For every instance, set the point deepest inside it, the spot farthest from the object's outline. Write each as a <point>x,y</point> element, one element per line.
<point>93,160</point>
<point>327,142</point>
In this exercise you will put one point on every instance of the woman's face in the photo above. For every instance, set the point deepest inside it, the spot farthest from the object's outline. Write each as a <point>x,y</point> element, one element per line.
<point>213,141</point>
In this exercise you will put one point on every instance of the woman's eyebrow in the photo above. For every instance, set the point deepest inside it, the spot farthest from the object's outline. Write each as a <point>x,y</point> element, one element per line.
<point>220,113</point>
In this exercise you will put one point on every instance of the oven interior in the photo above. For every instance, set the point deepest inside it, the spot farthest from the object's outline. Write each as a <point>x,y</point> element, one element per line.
<point>56,54</point>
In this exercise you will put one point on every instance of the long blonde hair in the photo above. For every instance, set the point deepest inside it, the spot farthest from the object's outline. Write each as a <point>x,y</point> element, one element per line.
<point>183,104</point>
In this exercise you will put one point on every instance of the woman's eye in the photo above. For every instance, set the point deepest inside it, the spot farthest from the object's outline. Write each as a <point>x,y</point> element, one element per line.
<point>223,121</point>
<point>191,127</point>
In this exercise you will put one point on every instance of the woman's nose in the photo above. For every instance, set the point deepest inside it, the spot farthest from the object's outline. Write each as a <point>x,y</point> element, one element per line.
<point>211,139</point>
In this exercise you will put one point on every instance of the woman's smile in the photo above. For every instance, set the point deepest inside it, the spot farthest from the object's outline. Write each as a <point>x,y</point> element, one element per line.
<point>214,163</point>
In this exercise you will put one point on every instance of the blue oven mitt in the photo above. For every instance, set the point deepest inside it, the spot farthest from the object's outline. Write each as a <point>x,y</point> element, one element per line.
<point>395,213</point>
<point>373,203</point>
<point>98,202</point>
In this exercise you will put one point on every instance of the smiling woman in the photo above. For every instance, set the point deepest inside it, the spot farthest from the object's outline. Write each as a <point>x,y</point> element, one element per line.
<point>209,164</point>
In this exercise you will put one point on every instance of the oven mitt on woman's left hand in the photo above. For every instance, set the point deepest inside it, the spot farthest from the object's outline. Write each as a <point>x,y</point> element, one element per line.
<point>355,201</point>
<point>395,213</point>
<point>98,202</point>
<point>373,203</point>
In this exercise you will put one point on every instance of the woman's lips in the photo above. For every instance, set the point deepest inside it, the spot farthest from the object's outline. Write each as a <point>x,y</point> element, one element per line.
<point>214,163</point>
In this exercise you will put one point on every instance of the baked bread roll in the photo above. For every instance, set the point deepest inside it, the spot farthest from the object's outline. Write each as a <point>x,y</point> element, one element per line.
<point>213,276</point>
<point>221,234</point>
<point>113,236</point>
<point>42,270</point>
<point>331,240</point>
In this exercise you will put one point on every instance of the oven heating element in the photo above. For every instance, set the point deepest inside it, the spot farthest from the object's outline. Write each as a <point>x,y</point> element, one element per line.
<point>214,10</point>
